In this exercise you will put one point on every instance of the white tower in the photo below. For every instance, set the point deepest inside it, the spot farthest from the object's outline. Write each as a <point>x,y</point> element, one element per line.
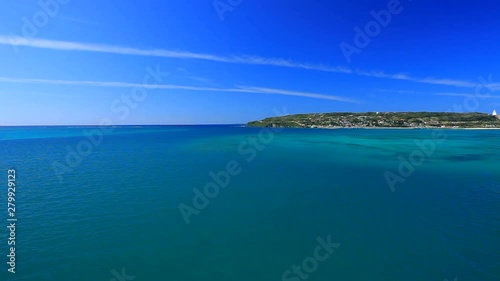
<point>494,113</point>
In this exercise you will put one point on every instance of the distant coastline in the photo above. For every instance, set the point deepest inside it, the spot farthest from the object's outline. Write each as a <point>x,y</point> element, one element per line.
<point>383,120</point>
<point>386,128</point>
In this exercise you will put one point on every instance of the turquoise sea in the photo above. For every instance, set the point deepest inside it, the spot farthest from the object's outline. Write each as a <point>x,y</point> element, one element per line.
<point>290,204</point>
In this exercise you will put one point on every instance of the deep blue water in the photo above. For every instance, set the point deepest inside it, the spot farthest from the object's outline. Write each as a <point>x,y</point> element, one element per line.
<point>118,205</point>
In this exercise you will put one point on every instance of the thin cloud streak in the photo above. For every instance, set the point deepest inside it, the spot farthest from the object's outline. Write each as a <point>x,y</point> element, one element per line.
<point>468,95</point>
<point>242,59</point>
<point>99,48</point>
<point>240,89</point>
<point>428,80</point>
<point>438,94</point>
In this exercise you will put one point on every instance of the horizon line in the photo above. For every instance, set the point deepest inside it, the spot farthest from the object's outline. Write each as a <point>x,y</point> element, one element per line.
<point>230,124</point>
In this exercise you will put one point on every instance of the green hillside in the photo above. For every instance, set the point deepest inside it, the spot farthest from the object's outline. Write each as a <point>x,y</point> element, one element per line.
<point>381,119</point>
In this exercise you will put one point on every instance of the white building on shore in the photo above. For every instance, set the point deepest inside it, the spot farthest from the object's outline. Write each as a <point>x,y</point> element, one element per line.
<point>494,113</point>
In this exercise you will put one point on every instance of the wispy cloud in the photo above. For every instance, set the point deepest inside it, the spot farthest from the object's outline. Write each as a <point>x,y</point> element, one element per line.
<point>438,94</point>
<point>99,48</point>
<point>428,80</point>
<point>239,89</point>
<point>468,95</point>
<point>270,91</point>
<point>234,59</point>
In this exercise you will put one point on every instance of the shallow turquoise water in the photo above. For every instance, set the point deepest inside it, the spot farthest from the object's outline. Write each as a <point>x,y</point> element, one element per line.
<point>118,207</point>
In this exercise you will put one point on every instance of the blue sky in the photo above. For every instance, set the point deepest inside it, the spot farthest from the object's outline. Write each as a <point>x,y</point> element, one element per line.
<point>233,61</point>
